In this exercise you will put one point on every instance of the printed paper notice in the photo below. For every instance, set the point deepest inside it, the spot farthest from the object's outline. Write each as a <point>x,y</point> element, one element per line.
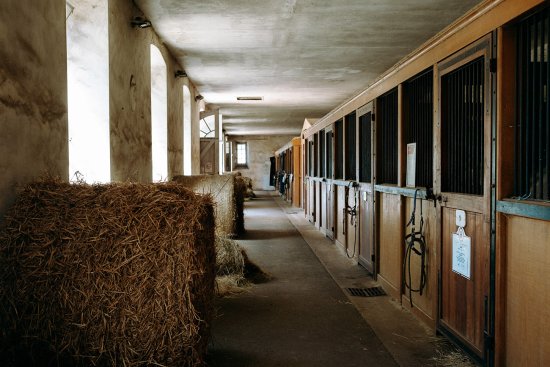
<point>411,165</point>
<point>461,255</point>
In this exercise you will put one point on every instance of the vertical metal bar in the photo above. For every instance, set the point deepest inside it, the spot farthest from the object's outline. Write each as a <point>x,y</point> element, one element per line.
<point>546,195</point>
<point>519,122</point>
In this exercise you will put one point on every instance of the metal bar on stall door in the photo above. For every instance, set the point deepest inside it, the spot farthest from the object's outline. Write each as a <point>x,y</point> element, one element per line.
<point>547,101</point>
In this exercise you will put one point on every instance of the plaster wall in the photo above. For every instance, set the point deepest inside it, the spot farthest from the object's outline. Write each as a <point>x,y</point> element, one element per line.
<point>130,98</point>
<point>260,149</point>
<point>33,93</point>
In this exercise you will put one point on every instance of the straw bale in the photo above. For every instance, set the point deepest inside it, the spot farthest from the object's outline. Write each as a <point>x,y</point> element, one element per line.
<point>228,204</point>
<point>106,275</point>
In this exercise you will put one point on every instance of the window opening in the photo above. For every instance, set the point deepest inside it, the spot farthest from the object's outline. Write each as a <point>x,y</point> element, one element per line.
<point>159,115</point>
<point>322,154</point>
<point>532,135</point>
<point>351,162</point>
<point>88,91</point>
<point>208,127</point>
<point>418,116</point>
<point>339,150</point>
<point>329,137</point>
<point>187,135</point>
<point>387,148</point>
<point>242,158</point>
<point>365,147</point>
<point>462,101</point>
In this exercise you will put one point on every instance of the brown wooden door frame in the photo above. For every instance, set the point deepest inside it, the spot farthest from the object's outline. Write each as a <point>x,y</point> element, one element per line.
<point>369,262</point>
<point>477,207</point>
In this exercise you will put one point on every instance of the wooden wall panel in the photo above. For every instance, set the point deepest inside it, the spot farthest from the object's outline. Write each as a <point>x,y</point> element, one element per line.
<point>318,205</point>
<point>323,201</point>
<point>390,242</point>
<point>296,185</point>
<point>427,302</point>
<point>463,299</point>
<point>528,292</point>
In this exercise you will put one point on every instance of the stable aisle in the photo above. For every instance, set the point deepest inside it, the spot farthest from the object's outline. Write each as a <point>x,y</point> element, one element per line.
<point>300,317</point>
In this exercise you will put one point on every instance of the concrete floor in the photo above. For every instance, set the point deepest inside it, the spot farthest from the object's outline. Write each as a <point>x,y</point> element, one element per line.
<point>303,317</point>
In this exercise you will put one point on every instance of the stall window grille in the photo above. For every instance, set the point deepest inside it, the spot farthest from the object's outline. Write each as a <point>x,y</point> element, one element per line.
<point>315,155</point>
<point>339,150</point>
<point>322,154</point>
<point>462,101</point>
<point>311,162</point>
<point>365,146</point>
<point>329,137</point>
<point>387,146</point>
<point>418,116</point>
<point>351,161</point>
<point>532,135</point>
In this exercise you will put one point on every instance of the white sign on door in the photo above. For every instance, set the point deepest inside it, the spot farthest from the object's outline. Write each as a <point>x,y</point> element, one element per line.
<point>462,255</point>
<point>411,165</point>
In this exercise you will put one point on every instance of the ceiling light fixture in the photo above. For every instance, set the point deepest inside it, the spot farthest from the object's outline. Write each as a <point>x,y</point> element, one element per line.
<point>250,98</point>
<point>139,22</point>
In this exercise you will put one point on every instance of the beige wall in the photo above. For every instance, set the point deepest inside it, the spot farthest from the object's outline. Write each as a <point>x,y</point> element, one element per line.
<point>260,149</point>
<point>130,95</point>
<point>33,93</point>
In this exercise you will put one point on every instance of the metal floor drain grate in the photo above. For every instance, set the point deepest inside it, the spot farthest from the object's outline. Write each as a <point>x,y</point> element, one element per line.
<point>366,292</point>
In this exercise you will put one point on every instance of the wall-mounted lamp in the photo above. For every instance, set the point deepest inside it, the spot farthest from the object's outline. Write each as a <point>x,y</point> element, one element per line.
<point>139,22</point>
<point>199,98</point>
<point>180,74</point>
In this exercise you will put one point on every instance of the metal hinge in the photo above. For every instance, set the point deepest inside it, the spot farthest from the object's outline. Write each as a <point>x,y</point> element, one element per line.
<point>493,65</point>
<point>373,258</point>
<point>372,117</point>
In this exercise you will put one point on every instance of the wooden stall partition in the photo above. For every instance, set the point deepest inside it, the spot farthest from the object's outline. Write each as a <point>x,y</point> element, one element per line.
<point>425,305</point>
<point>297,172</point>
<point>528,291</point>
<point>390,240</point>
<point>340,223</point>
<point>330,201</point>
<point>319,204</point>
<point>323,207</point>
<point>366,250</point>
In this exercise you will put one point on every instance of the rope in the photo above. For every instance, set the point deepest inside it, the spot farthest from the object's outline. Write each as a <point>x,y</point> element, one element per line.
<point>415,242</point>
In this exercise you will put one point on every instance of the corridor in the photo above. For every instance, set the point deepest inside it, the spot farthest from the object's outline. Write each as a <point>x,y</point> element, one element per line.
<point>299,318</point>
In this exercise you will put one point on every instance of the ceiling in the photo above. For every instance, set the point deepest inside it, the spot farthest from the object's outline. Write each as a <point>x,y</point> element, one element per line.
<point>304,57</point>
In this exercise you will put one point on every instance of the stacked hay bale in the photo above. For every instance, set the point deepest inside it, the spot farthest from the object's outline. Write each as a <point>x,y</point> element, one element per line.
<point>226,192</point>
<point>118,275</point>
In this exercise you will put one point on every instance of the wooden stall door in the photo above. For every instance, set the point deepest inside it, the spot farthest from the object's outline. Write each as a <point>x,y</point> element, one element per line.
<point>463,161</point>
<point>330,211</point>
<point>311,200</point>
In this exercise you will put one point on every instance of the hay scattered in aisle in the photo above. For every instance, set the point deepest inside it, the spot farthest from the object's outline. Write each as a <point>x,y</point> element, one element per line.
<point>235,271</point>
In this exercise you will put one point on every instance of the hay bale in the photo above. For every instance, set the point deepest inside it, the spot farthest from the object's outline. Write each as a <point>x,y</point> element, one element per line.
<point>223,189</point>
<point>119,274</point>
